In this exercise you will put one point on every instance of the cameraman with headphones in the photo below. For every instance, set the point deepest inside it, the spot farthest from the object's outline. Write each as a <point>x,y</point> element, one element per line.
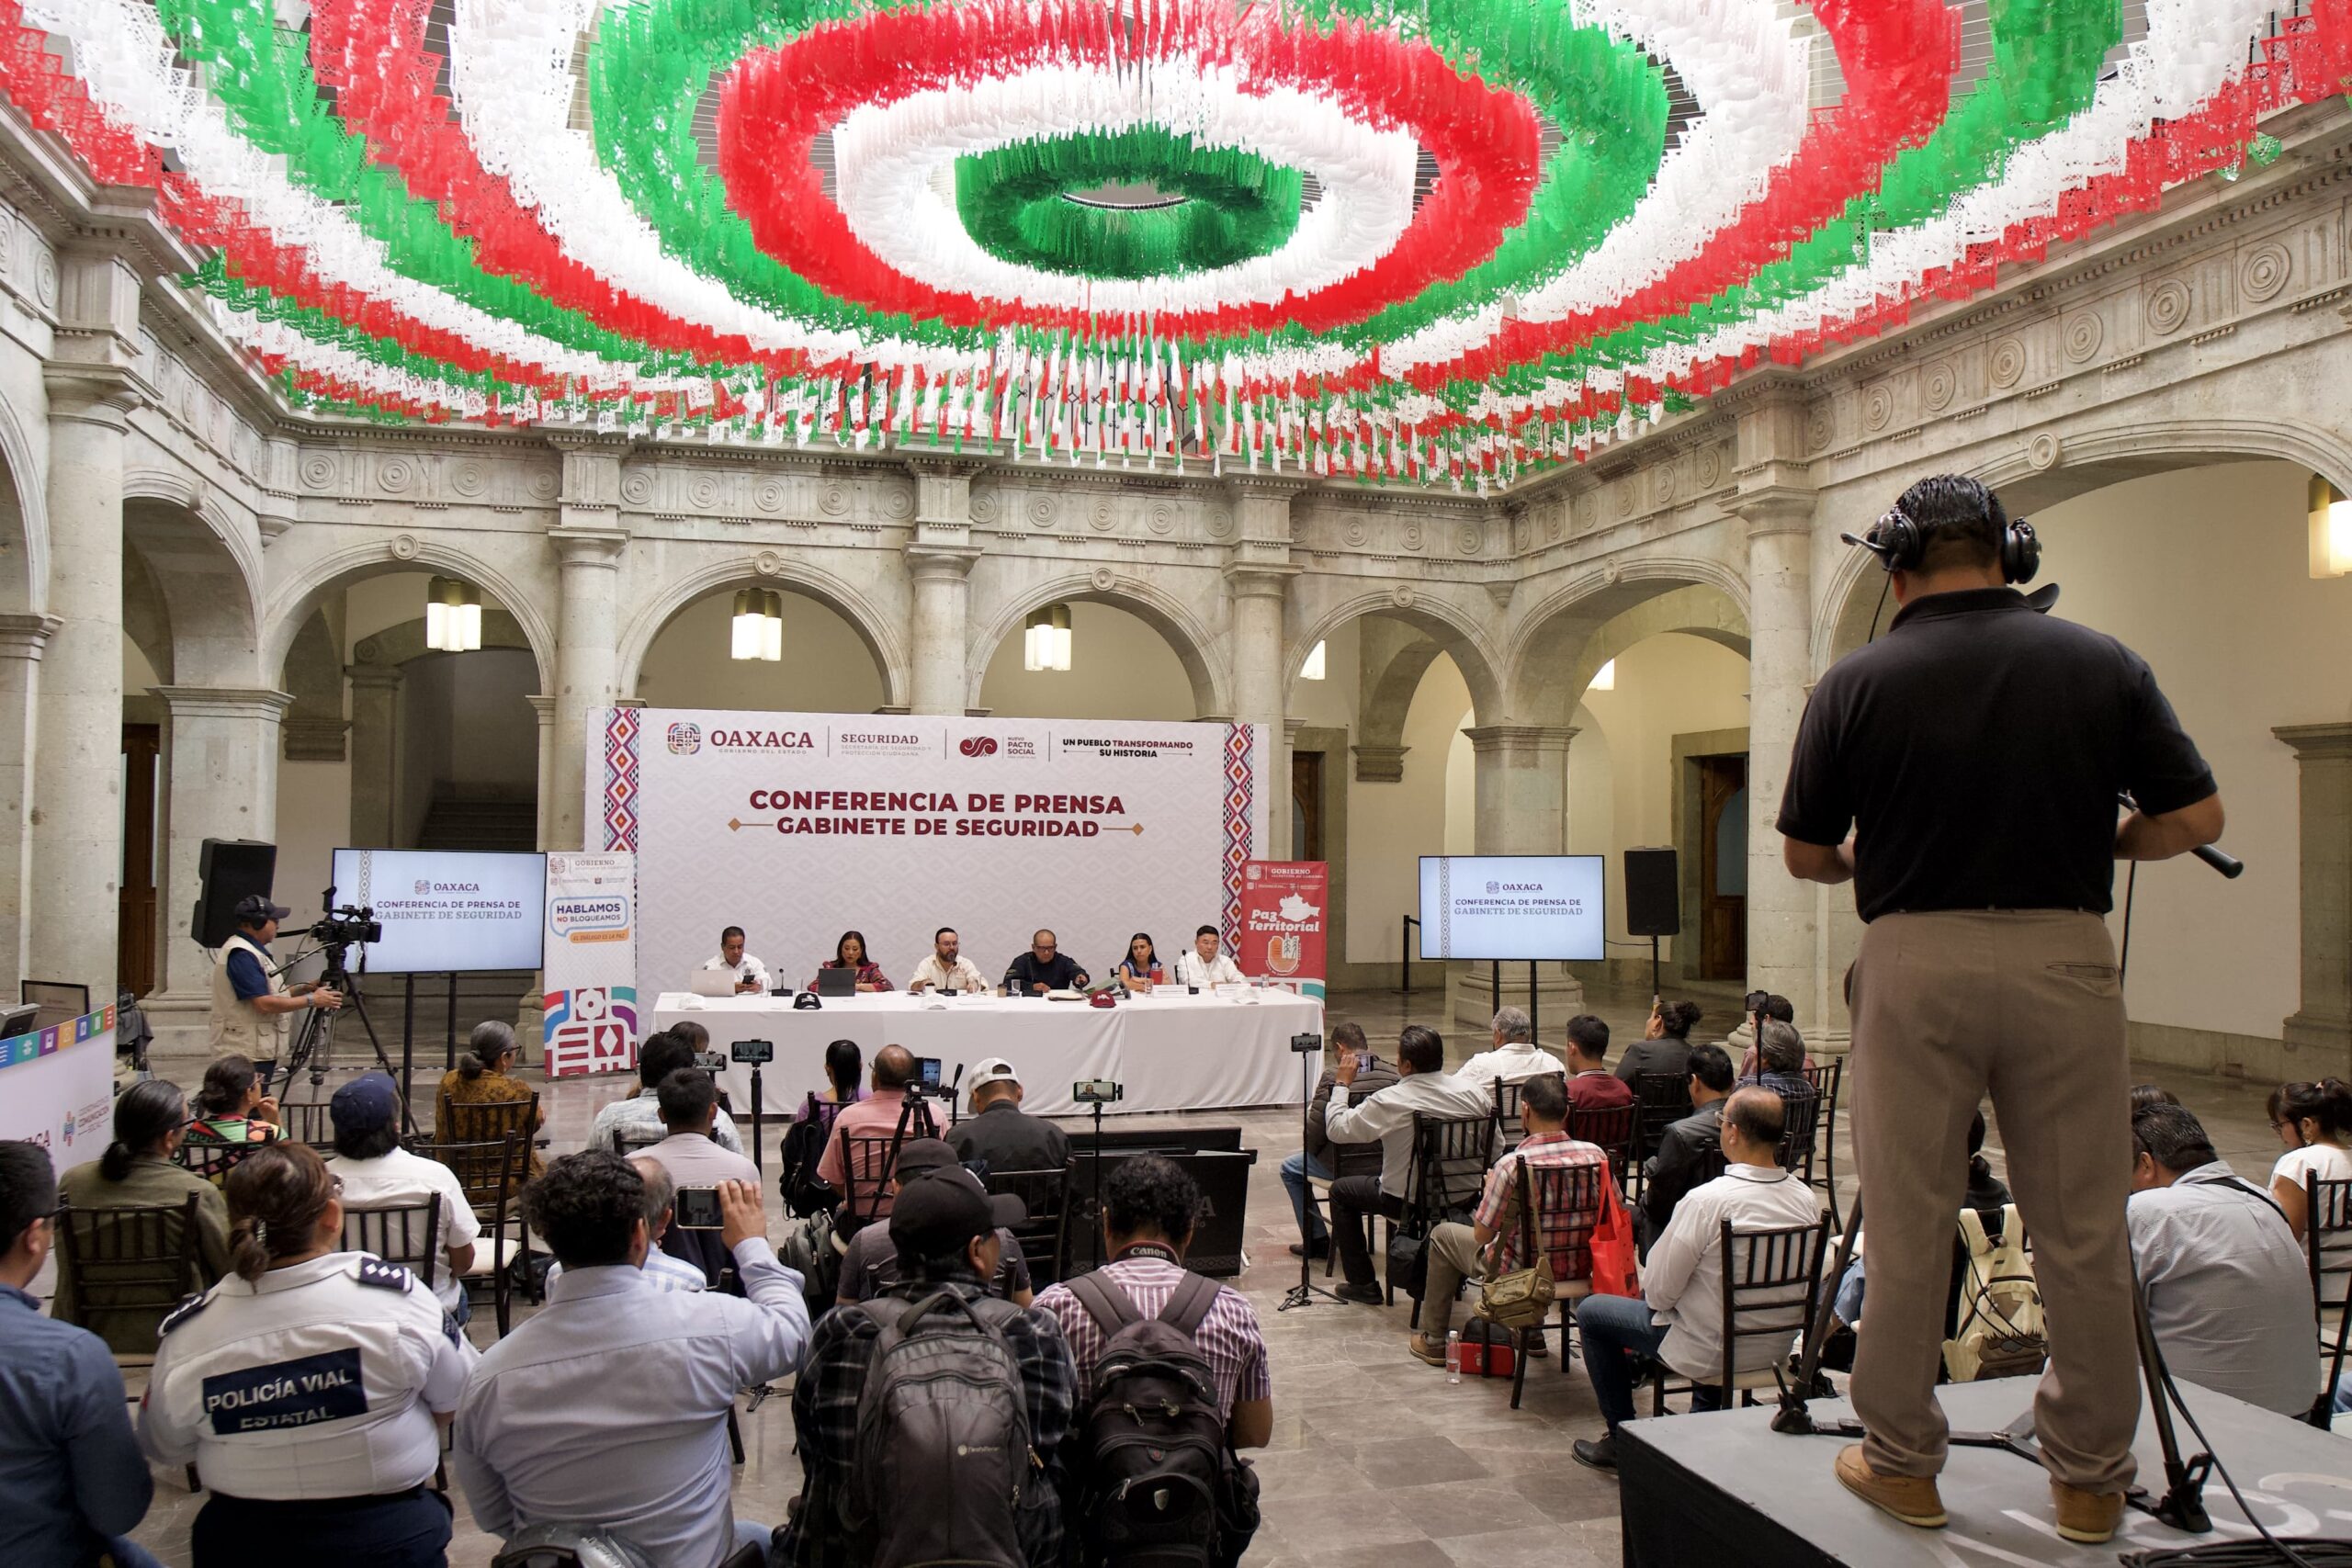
<point>250,999</point>
<point>1963,773</point>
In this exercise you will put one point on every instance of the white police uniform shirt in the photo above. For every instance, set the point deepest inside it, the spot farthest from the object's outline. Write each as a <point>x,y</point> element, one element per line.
<point>1191,970</point>
<point>747,969</point>
<point>320,1380</point>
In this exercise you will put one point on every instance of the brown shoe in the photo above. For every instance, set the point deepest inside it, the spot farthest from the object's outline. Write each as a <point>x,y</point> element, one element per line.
<point>1911,1498</point>
<point>2087,1518</point>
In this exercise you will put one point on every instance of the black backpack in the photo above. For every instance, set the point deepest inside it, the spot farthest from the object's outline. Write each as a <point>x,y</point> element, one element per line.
<point>797,1156</point>
<point>942,1465</point>
<point>1161,1486</point>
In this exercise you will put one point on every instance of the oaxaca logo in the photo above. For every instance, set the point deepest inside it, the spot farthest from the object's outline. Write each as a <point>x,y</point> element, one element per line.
<point>1514,887</point>
<point>978,746</point>
<point>761,740</point>
<point>686,739</point>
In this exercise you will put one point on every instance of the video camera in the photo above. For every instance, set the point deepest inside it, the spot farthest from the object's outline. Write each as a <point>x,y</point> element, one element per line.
<point>352,923</point>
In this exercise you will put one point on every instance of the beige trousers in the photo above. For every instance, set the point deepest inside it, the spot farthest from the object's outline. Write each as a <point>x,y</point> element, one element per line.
<point>2029,1006</point>
<point>1455,1256</point>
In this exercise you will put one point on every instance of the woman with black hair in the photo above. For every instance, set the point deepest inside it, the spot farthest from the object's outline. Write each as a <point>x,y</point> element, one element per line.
<point>1140,970</point>
<point>138,1171</point>
<point>308,1387</point>
<point>849,953</point>
<point>1665,1044</point>
<point>2314,1121</point>
<point>230,1107</point>
<point>844,1063</point>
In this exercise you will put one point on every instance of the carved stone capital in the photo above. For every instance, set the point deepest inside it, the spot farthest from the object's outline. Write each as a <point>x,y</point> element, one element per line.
<point>224,702</point>
<point>599,548</point>
<point>315,739</point>
<point>1380,764</point>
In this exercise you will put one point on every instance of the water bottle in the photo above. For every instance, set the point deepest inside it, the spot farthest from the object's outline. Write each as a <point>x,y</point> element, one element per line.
<point>1453,1355</point>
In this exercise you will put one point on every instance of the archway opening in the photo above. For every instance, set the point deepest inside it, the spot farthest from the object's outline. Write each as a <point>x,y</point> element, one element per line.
<point>1121,667</point>
<point>826,666</point>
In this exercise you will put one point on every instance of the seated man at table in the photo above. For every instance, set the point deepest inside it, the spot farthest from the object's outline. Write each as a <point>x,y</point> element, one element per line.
<point>1044,967</point>
<point>750,974</point>
<point>998,1132</point>
<point>947,967</point>
<point>639,1118</point>
<point>1204,966</point>
<point>875,1116</point>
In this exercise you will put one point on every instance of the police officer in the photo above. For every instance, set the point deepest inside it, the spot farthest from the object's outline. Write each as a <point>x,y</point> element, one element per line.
<point>306,1387</point>
<point>250,999</point>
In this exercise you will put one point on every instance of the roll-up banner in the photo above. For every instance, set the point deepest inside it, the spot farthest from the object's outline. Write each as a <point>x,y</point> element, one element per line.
<point>1284,907</point>
<point>591,966</point>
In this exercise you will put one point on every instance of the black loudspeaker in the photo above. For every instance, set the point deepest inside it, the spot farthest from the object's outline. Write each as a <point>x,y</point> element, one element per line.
<point>226,871</point>
<point>1653,894</point>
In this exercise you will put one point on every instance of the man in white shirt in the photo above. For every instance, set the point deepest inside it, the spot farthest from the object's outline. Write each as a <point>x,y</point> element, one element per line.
<point>1422,1085</point>
<point>377,1173</point>
<point>1515,1057</point>
<point>947,967</point>
<point>638,1119</point>
<point>750,974</point>
<point>1204,966</point>
<point>689,1101</point>
<point>2229,1293</point>
<point>1680,1320</point>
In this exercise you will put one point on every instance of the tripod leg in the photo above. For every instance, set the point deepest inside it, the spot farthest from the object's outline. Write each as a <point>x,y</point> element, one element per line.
<point>358,1004</point>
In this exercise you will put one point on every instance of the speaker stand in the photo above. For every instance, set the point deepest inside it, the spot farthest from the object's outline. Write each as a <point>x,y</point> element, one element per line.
<point>1654,989</point>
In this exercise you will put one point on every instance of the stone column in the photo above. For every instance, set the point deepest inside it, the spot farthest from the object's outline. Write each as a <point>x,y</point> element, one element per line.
<point>374,718</point>
<point>587,665</point>
<point>224,785</point>
<point>2324,1022</point>
<point>939,561</point>
<point>1522,798</point>
<point>545,708</point>
<point>21,638</point>
<point>1782,954</point>
<point>1258,570</point>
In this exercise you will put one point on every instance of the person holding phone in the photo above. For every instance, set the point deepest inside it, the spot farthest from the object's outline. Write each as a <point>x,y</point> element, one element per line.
<point>750,974</point>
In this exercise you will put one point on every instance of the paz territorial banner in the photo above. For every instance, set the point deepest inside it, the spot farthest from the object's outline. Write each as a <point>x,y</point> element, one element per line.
<point>1283,914</point>
<point>57,1088</point>
<point>798,826</point>
<point>590,964</point>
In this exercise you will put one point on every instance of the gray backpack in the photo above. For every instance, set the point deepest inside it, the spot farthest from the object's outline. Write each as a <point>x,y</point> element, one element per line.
<point>943,1462</point>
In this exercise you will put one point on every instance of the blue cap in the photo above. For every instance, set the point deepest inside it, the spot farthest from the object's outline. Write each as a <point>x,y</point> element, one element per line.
<point>368,1102</point>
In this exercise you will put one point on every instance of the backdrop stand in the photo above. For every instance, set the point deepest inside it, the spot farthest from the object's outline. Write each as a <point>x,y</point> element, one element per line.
<point>1535,1006</point>
<point>452,1064</point>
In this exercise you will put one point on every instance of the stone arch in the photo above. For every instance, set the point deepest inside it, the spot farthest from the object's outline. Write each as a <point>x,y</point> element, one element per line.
<point>1445,627</point>
<point>873,630</point>
<point>24,518</point>
<point>291,605</point>
<point>395,645</point>
<point>1559,631</point>
<point>1162,611</point>
<point>1700,611</point>
<point>208,587</point>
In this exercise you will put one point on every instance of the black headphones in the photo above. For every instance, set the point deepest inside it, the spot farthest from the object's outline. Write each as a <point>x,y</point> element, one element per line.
<point>1901,545</point>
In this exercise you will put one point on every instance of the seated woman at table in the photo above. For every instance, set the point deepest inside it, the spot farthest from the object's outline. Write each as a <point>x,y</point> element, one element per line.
<point>844,1064</point>
<point>849,953</point>
<point>1140,969</point>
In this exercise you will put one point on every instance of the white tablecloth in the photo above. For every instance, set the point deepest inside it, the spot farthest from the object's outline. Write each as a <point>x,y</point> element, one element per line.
<point>1172,1053</point>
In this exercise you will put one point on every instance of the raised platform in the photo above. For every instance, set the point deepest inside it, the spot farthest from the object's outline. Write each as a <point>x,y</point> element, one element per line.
<point>1726,1488</point>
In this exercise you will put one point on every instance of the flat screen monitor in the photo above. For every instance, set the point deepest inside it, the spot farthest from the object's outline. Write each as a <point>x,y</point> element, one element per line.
<point>446,911</point>
<point>1512,908</point>
<point>57,1001</point>
<point>18,1020</point>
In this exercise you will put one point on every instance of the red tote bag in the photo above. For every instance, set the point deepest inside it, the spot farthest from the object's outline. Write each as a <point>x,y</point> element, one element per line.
<point>1616,1271</point>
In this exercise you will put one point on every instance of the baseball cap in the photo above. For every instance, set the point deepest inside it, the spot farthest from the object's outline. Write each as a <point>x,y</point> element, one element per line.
<point>368,1102</point>
<point>944,1208</point>
<point>256,908</point>
<point>920,1156</point>
<point>990,1070</point>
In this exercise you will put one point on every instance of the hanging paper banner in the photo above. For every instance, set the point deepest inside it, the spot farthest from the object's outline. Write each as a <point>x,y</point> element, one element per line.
<point>1284,906</point>
<point>591,973</point>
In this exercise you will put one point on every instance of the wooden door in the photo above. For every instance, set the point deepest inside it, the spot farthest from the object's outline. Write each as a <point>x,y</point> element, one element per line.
<point>135,954</point>
<point>1723,868</point>
<point>1307,805</point>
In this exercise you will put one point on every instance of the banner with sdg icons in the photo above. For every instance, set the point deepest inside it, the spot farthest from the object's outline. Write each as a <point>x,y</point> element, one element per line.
<point>57,1087</point>
<point>591,973</point>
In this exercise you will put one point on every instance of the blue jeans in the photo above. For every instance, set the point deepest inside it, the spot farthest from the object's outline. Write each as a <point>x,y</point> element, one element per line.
<point>1615,1330</point>
<point>1295,1172</point>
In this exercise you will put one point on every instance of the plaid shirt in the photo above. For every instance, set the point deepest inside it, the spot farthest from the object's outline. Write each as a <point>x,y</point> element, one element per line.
<point>824,1417</point>
<point>1228,1336</point>
<point>1566,1236</point>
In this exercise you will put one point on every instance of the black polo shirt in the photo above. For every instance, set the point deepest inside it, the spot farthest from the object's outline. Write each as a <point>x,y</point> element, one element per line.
<point>1977,750</point>
<point>1010,1139</point>
<point>1061,975</point>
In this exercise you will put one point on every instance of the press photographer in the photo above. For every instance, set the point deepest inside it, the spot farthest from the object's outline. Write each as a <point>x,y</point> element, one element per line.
<point>1963,773</point>
<point>250,998</point>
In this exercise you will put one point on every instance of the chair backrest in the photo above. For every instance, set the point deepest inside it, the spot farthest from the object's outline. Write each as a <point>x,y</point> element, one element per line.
<point>309,1123</point>
<point>1612,1127</point>
<point>1663,1100</point>
<point>1771,1286</point>
<point>1568,1207</point>
<point>492,1171</point>
<point>406,1233</point>
<point>1508,1125</point>
<point>868,1159</point>
<point>209,1157</point>
<point>628,1140</point>
<point>130,1266</point>
<point>2327,1240</point>
<point>1451,1155</point>
<point>483,1122</point>
<point>1045,1235</point>
<point>1800,1127</point>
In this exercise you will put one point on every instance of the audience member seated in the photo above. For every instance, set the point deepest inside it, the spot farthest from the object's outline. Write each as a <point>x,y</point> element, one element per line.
<point>1986,1193</point>
<point>1779,1050</point>
<point>2143,1095</point>
<point>1680,1162</point>
<point>2228,1290</point>
<point>608,1407</point>
<point>639,1118</point>
<point>945,1233</point>
<point>844,1064</point>
<point>664,1271</point>
<point>998,1132</point>
<point>1422,1086</point>
<point>1678,1321</point>
<point>1515,1057</point>
<point>1490,1245</point>
<point>484,1076</point>
<point>1149,1207</point>
<point>1314,1162</point>
<point>871,1265</point>
<point>137,1171</point>
<point>894,1069</point>
<point>849,953</point>
<point>73,1482</point>
<point>689,1104</point>
<point>1781,1008</point>
<point>1665,1044</point>
<point>377,1173</point>
<point>2314,1121</point>
<point>230,1107</point>
<point>1591,1085</point>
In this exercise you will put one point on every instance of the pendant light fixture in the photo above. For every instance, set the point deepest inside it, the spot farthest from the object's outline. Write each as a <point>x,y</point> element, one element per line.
<point>758,625</point>
<point>2331,526</point>
<point>452,616</point>
<point>1046,644</point>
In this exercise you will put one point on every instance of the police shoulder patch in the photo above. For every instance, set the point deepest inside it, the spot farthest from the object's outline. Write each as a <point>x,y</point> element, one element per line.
<point>182,1312</point>
<point>384,1276</point>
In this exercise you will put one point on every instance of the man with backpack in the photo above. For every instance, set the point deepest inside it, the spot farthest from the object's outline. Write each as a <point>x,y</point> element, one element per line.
<point>1173,1379</point>
<point>932,1419</point>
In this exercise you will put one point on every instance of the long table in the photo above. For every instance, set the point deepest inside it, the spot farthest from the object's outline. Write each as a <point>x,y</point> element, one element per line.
<point>1170,1052</point>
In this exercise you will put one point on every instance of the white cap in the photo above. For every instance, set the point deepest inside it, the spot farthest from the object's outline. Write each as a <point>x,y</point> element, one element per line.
<point>990,1070</point>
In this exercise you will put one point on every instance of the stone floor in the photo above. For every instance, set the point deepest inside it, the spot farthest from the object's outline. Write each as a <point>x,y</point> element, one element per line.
<point>1374,1459</point>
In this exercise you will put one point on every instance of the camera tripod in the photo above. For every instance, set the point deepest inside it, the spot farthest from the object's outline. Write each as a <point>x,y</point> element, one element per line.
<point>314,1045</point>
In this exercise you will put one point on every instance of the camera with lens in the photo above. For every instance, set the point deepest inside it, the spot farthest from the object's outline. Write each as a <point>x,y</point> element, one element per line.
<point>1306,1044</point>
<point>1097,1092</point>
<point>351,923</point>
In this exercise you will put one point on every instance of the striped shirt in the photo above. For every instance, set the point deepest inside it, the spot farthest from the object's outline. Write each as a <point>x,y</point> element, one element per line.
<point>1567,1236</point>
<point>1228,1336</point>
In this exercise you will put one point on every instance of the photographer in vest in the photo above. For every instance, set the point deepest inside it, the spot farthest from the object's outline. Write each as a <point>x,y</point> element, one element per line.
<point>250,1000</point>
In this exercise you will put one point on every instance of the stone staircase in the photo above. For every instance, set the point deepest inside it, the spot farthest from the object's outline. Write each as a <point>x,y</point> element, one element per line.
<point>454,824</point>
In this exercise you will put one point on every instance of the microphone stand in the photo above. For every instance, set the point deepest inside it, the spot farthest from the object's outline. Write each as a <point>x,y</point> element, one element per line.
<point>1306,1291</point>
